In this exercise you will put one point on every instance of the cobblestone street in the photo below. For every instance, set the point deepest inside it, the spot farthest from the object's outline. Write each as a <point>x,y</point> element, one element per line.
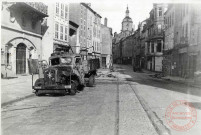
<point>116,105</point>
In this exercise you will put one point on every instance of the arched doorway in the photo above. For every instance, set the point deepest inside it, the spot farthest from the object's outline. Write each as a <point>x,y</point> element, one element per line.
<point>21,59</point>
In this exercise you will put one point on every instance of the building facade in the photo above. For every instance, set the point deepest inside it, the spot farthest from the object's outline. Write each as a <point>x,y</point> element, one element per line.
<point>21,36</point>
<point>168,66</point>
<point>89,25</point>
<point>57,33</point>
<point>119,42</point>
<point>155,41</point>
<point>106,49</point>
<point>127,24</point>
<point>184,49</point>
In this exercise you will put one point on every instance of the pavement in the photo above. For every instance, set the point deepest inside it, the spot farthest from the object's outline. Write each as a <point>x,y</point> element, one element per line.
<point>16,89</point>
<point>109,108</point>
<point>156,94</point>
<point>139,100</point>
<point>10,94</point>
<point>195,82</point>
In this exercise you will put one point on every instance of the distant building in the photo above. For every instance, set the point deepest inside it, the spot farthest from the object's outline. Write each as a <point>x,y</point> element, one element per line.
<point>21,36</point>
<point>139,46</point>
<point>127,25</point>
<point>89,22</point>
<point>57,32</point>
<point>155,40</point>
<point>169,39</point>
<point>106,50</point>
<point>127,30</point>
<point>78,17</point>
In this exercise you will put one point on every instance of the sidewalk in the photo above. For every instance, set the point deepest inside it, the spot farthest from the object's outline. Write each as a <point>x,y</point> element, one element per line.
<point>192,82</point>
<point>16,89</point>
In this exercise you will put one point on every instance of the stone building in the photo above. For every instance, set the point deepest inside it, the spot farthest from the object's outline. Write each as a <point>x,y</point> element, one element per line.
<point>139,46</point>
<point>89,22</point>
<point>57,33</point>
<point>127,30</point>
<point>155,41</point>
<point>106,50</point>
<point>78,16</point>
<point>21,37</point>
<point>168,66</point>
<point>127,48</point>
<point>127,25</point>
<point>184,48</point>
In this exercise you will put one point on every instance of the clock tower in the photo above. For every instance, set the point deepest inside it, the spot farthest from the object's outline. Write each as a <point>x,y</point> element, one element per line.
<point>127,24</point>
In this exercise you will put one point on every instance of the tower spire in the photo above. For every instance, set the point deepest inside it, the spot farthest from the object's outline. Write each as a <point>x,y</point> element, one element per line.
<point>127,11</point>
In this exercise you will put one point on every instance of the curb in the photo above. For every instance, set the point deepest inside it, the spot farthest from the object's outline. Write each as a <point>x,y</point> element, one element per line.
<point>16,100</point>
<point>180,82</point>
<point>160,128</point>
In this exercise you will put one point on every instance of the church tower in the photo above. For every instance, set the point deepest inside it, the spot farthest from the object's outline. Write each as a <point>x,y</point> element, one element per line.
<point>127,24</point>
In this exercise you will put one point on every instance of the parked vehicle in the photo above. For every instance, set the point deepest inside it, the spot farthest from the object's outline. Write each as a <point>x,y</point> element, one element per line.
<point>66,73</point>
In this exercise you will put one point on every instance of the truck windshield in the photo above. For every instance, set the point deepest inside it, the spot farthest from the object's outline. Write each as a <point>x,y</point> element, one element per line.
<point>61,60</point>
<point>66,60</point>
<point>55,61</point>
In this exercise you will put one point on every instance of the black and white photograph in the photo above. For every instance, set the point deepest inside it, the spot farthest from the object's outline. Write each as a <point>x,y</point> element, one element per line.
<point>100,67</point>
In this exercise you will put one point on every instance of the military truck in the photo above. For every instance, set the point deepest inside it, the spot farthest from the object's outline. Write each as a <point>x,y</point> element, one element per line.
<point>65,73</point>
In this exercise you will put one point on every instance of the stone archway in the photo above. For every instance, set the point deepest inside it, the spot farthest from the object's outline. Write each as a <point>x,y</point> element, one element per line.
<point>21,59</point>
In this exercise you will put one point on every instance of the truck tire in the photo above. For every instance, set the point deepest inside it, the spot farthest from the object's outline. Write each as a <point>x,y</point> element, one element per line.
<point>91,81</point>
<point>134,69</point>
<point>38,93</point>
<point>73,89</point>
<point>39,82</point>
<point>80,87</point>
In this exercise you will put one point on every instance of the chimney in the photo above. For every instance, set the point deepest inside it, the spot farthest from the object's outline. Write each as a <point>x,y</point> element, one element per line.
<point>105,22</point>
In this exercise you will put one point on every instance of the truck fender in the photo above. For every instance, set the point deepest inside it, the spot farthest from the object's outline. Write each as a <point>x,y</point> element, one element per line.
<point>39,83</point>
<point>91,72</point>
<point>75,77</point>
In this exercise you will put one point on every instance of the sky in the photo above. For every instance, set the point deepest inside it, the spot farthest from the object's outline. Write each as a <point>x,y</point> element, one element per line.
<point>114,10</point>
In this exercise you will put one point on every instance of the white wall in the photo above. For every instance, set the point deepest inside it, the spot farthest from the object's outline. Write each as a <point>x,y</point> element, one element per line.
<point>158,63</point>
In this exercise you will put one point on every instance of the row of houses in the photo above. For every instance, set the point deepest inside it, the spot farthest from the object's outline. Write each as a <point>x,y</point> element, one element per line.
<point>169,41</point>
<point>34,30</point>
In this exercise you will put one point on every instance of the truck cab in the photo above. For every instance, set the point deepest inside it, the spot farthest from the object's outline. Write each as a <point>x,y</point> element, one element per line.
<point>66,73</point>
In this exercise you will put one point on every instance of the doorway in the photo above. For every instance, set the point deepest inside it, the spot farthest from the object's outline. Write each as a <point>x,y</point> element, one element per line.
<point>21,59</point>
<point>104,62</point>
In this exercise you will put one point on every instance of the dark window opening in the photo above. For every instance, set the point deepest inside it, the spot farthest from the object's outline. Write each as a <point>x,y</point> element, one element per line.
<point>152,47</point>
<point>55,61</point>
<point>159,46</point>
<point>8,55</point>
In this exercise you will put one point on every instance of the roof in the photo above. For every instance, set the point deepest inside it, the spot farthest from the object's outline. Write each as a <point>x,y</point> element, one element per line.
<point>84,4</point>
<point>127,19</point>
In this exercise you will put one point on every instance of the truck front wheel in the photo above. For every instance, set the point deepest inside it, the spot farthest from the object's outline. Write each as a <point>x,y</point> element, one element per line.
<point>38,93</point>
<point>73,89</point>
<point>91,81</point>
